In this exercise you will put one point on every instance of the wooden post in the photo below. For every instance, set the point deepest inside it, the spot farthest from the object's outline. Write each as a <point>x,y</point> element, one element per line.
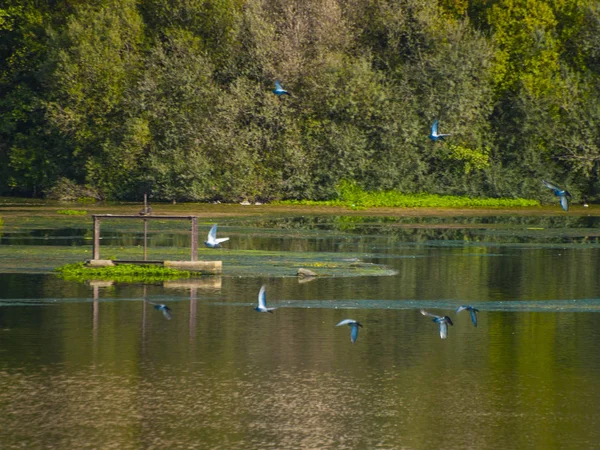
<point>145,238</point>
<point>194,256</point>
<point>96,250</point>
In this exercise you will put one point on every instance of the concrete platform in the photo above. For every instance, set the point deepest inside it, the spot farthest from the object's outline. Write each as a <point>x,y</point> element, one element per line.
<point>209,267</point>
<point>99,263</point>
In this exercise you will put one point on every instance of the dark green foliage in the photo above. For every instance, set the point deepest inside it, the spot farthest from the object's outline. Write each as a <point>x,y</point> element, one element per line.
<point>173,98</point>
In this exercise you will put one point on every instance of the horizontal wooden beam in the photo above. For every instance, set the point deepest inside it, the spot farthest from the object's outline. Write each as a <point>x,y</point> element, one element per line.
<point>137,216</point>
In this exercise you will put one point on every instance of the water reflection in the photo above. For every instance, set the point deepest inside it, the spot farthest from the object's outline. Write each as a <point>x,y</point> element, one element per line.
<point>95,366</point>
<point>292,381</point>
<point>313,233</point>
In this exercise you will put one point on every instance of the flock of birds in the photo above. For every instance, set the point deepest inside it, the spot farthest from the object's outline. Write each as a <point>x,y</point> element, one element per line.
<point>443,321</point>
<point>213,242</point>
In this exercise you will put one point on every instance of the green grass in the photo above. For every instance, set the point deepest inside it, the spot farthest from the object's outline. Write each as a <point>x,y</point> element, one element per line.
<point>71,212</point>
<point>352,196</point>
<point>124,273</point>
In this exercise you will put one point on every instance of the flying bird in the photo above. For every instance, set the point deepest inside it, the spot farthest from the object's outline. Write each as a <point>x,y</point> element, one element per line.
<point>279,91</point>
<point>262,302</point>
<point>352,324</point>
<point>562,194</point>
<point>435,136</point>
<point>443,322</point>
<point>472,310</point>
<point>212,241</point>
<point>162,308</point>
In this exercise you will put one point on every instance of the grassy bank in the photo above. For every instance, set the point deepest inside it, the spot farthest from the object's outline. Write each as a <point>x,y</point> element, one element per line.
<point>352,196</point>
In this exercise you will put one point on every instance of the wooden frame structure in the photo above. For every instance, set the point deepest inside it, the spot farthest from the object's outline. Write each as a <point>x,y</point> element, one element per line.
<point>98,217</point>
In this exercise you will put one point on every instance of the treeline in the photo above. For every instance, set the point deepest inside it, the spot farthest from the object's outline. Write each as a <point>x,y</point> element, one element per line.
<point>113,98</point>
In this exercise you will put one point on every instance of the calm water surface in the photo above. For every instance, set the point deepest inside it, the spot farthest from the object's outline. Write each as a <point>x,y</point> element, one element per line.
<point>94,366</point>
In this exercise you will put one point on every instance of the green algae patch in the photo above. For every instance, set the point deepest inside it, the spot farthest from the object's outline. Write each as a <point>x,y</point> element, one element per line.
<point>123,273</point>
<point>71,212</point>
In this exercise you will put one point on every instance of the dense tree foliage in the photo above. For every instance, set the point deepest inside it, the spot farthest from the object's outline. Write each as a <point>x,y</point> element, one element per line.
<point>173,97</point>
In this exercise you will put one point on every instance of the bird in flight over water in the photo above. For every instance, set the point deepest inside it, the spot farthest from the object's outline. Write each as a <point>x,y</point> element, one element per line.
<point>212,241</point>
<point>443,322</point>
<point>562,194</point>
<point>262,302</point>
<point>354,325</point>
<point>472,310</point>
<point>279,91</point>
<point>162,308</point>
<point>435,136</point>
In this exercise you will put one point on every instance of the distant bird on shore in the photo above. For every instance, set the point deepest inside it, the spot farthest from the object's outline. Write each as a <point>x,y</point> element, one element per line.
<point>472,310</point>
<point>562,194</point>
<point>354,325</point>
<point>146,211</point>
<point>443,322</point>
<point>262,302</point>
<point>212,241</point>
<point>435,136</point>
<point>162,308</point>
<point>279,91</point>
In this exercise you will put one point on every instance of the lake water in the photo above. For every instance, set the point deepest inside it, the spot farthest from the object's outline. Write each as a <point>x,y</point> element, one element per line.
<point>94,366</point>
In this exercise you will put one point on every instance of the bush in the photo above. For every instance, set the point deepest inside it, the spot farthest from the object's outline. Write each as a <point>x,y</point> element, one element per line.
<point>67,190</point>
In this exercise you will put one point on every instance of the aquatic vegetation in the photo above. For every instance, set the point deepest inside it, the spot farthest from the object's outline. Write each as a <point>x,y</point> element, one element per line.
<point>124,273</point>
<point>72,212</point>
<point>352,196</point>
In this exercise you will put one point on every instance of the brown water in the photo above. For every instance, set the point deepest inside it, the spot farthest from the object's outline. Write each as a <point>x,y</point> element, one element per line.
<point>85,366</point>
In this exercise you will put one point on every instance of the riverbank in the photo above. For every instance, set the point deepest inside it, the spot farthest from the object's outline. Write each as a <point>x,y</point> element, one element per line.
<point>24,207</point>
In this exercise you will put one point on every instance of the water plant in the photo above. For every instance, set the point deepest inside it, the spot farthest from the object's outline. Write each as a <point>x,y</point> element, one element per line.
<point>124,273</point>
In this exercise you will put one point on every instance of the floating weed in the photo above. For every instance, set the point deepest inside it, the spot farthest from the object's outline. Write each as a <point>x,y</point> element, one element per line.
<point>124,273</point>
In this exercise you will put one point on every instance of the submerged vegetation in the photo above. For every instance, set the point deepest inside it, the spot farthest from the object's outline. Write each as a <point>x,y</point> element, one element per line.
<point>113,98</point>
<point>352,196</point>
<point>124,273</point>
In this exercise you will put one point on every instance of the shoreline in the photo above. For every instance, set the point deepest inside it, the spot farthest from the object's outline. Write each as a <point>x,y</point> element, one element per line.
<point>22,206</point>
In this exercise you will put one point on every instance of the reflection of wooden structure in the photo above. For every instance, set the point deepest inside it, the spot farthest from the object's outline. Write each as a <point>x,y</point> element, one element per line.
<point>211,267</point>
<point>211,283</point>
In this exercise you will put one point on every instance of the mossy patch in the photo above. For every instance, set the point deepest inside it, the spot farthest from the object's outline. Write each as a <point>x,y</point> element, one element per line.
<point>122,273</point>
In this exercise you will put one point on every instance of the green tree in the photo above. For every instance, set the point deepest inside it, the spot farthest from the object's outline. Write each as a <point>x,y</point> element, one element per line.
<point>31,155</point>
<point>94,60</point>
